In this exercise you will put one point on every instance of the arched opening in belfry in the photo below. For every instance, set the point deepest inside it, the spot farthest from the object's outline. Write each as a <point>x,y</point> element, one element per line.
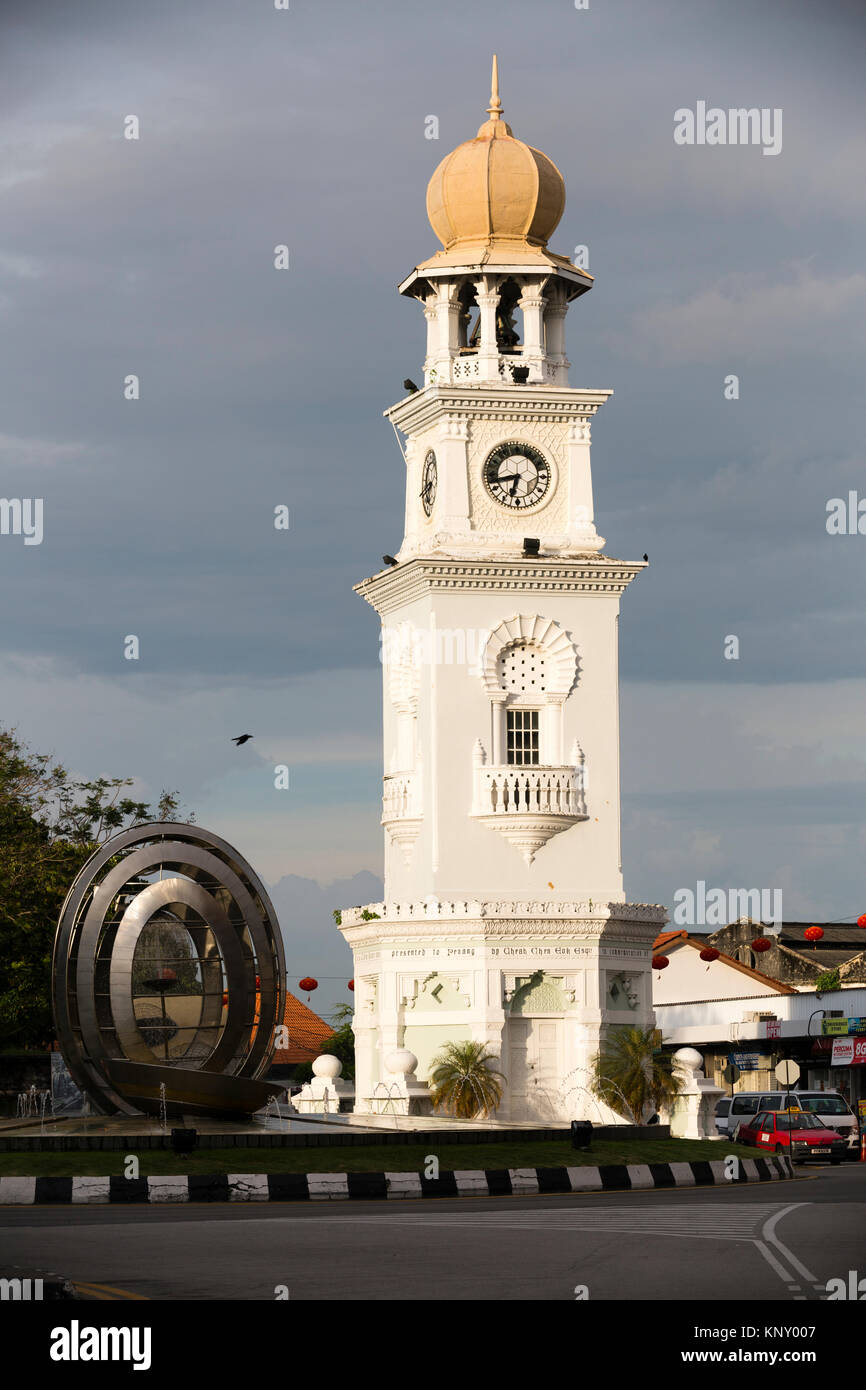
<point>508,324</point>
<point>467,319</point>
<point>508,336</point>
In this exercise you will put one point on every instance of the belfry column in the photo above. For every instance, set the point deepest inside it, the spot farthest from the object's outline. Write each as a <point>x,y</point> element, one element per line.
<point>554,336</point>
<point>432,316</point>
<point>445,330</point>
<point>487,294</point>
<point>533,303</point>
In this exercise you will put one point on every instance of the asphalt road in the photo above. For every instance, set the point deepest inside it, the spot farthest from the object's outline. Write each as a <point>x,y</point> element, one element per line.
<point>777,1241</point>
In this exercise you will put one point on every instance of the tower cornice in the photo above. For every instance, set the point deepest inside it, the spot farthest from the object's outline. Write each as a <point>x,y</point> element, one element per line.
<point>536,403</point>
<point>597,574</point>
<point>450,265</point>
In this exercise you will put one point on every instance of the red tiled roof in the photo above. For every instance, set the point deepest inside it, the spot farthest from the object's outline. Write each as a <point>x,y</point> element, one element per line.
<point>669,937</point>
<point>307,1032</point>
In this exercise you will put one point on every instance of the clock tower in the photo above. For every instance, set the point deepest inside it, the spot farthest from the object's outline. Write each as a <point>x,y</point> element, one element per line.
<point>504,919</point>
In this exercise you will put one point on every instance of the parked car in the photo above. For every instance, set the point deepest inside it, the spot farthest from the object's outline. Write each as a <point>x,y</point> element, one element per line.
<point>834,1110</point>
<point>723,1108</point>
<point>829,1105</point>
<point>793,1132</point>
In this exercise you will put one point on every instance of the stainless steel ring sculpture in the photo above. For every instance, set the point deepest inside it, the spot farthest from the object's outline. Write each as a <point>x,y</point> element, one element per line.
<point>198,887</point>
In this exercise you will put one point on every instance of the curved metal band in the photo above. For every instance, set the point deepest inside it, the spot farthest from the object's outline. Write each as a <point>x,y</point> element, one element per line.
<point>136,917</point>
<point>238,907</point>
<point>236,1059</point>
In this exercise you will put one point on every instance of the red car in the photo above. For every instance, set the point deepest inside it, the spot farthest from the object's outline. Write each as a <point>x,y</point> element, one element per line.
<point>793,1132</point>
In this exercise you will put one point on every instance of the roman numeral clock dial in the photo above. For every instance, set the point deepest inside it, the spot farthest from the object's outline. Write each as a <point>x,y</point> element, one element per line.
<point>428,483</point>
<point>517,475</point>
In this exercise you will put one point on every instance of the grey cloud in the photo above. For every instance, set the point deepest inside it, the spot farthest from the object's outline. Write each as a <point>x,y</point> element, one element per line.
<point>260,389</point>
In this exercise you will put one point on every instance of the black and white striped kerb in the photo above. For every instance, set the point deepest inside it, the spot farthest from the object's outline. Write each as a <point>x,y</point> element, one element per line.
<point>325,1187</point>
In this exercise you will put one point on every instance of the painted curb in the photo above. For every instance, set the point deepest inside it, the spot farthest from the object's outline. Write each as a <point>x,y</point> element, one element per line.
<point>341,1187</point>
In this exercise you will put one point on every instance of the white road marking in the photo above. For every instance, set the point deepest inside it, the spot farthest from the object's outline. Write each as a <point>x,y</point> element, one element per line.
<point>783,1273</point>
<point>769,1234</point>
<point>716,1222</point>
<point>755,1225</point>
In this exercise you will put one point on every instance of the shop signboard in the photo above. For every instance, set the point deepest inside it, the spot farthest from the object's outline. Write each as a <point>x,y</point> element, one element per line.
<point>834,1027</point>
<point>849,1052</point>
<point>748,1061</point>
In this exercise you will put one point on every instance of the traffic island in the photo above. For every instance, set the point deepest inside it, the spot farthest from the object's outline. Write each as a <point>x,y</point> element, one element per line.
<point>366,1186</point>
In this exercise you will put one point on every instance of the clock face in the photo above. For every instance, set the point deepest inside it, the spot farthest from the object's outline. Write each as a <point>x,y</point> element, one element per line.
<point>517,475</point>
<point>428,483</point>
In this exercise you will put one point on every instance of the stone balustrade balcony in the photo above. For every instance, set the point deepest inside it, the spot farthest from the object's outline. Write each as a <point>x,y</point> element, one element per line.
<point>401,809</point>
<point>466,368</point>
<point>528,805</point>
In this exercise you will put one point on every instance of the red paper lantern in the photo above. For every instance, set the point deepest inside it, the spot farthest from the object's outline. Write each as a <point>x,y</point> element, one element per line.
<point>709,954</point>
<point>352,986</point>
<point>861,921</point>
<point>225,998</point>
<point>660,962</point>
<point>760,944</point>
<point>308,983</point>
<point>813,934</point>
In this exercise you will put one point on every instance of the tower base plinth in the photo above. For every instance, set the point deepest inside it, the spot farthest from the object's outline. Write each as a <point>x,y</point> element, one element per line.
<point>538,983</point>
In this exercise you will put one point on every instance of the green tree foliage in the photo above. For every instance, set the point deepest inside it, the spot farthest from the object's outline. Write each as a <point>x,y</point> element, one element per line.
<point>340,1044</point>
<point>463,1082</point>
<point>828,981</point>
<point>49,826</point>
<point>633,1075</point>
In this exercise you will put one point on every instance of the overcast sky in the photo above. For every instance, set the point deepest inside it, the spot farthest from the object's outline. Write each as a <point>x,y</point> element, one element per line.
<point>307,127</point>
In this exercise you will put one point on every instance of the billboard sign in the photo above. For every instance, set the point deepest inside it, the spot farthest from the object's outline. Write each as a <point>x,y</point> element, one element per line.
<point>748,1061</point>
<point>848,1052</point>
<point>833,1027</point>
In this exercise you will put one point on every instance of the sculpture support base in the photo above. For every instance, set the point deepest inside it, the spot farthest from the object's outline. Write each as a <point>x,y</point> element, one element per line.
<point>185,1090</point>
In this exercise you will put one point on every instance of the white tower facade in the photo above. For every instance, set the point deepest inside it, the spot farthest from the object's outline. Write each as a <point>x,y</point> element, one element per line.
<point>504,918</point>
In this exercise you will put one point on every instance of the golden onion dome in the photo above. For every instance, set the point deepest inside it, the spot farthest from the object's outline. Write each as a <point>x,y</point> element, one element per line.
<point>495,193</point>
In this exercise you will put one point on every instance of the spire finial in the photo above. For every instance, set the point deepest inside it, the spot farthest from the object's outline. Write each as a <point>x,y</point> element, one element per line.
<point>495,107</point>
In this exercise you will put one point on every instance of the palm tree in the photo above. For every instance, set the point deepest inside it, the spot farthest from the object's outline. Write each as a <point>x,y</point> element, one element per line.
<point>463,1082</point>
<point>632,1072</point>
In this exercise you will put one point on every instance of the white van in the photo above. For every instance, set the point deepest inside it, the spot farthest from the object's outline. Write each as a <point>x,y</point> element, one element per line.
<point>831,1108</point>
<point>834,1110</point>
